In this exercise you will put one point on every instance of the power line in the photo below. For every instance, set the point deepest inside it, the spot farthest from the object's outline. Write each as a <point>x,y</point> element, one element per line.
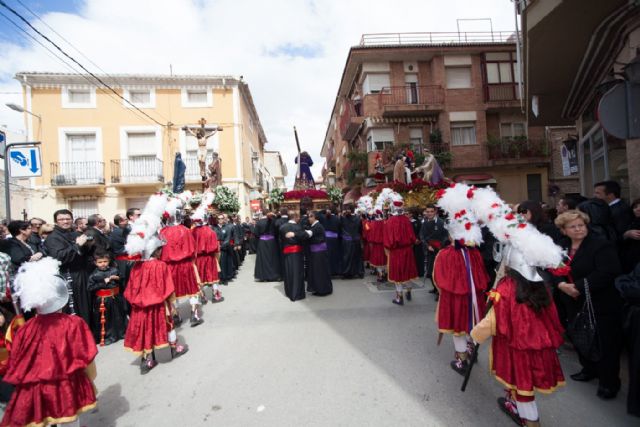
<point>10,9</point>
<point>53,54</point>
<point>75,48</point>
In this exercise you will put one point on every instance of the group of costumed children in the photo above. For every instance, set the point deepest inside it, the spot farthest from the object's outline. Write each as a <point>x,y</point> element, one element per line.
<point>51,362</point>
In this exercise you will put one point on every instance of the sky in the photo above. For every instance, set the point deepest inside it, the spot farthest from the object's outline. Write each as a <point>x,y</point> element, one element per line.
<point>290,52</point>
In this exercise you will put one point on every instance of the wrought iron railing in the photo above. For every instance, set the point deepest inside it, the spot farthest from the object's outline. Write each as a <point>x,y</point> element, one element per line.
<point>437,38</point>
<point>137,170</point>
<point>77,173</point>
<point>519,147</point>
<point>412,94</point>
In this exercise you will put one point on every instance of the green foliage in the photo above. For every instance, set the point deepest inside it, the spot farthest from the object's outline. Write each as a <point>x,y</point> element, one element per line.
<point>435,137</point>
<point>335,195</point>
<point>444,158</point>
<point>276,196</point>
<point>226,200</point>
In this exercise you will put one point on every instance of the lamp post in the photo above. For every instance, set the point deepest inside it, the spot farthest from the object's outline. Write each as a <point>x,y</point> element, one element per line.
<point>331,179</point>
<point>19,109</point>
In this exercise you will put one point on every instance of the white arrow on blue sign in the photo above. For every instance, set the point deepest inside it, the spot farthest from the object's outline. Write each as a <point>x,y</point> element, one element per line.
<point>25,162</point>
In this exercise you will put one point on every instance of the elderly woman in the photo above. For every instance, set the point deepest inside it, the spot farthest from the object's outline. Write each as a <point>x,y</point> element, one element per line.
<point>594,261</point>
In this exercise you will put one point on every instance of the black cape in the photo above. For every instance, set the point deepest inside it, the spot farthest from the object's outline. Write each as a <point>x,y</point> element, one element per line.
<point>226,252</point>
<point>293,262</point>
<point>319,278</point>
<point>331,224</point>
<point>115,312</point>
<point>267,268</point>
<point>352,265</point>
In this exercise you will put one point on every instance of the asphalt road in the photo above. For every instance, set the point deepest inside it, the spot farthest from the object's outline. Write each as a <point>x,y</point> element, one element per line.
<point>349,359</point>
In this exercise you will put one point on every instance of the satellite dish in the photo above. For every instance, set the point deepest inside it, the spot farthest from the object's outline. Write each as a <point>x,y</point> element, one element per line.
<point>619,111</point>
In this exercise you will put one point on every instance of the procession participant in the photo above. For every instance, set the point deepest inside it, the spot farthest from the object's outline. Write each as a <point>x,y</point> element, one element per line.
<point>434,237</point>
<point>292,237</point>
<point>378,257</point>
<point>418,249</point>
<point>331,224</point>
<point>252,238</point>
<point>109,315</point>
<point>267,268</point>
<point>363,207</point>
<point>319,278</point>
<point>238,238</point>
<point>97,240</point>
<point>179,253</point>
<point>282,219</point>
<point>350,231</point>
<point>224,241</point>
<point>207,251</point>
<point>398,240</point>
<point>51,363</point>
<point>523,320</point>
<point>67,247</point>
<point>459,275</point>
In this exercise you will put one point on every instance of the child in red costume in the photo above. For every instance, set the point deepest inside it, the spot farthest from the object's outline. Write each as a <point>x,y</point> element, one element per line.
<point>208,251</point>
<point>377,256</point>
<point>51,362</point>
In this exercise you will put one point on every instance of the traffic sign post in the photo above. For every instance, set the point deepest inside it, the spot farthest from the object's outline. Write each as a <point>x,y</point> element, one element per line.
<point>21,160</point>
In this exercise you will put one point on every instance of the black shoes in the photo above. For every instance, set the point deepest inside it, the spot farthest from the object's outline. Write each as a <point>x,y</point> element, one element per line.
<point>398,301</point>
<point>433,291</point>
<point>607,393</point>
<point>582,376</point>
<point>146,365</point>
<point>408,295</point>
<point>195,321</point>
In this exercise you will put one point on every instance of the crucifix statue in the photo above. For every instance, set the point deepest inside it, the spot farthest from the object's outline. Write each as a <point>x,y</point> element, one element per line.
<point>202,136</point>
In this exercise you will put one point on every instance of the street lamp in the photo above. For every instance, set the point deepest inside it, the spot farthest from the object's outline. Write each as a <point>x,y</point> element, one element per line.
<point>331,179</point>
<point>19,109</point>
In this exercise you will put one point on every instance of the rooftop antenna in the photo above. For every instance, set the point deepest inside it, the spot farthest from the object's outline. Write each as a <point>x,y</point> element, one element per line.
<point>171,70</point>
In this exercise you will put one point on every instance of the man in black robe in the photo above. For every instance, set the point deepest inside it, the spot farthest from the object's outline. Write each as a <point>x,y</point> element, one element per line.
<point>418,250</point>
<point>434,237</point>
<point>253,239</point>
<point>67,247</point>
<point>331,224</point>
<point>292,237</point>
<point>319,277</point>
<point>350,231</point>
<point>268,262</point>
<point>223,232</point>
<point>281,220</point>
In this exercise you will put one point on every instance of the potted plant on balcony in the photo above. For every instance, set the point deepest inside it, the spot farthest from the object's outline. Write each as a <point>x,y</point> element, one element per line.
<point>495,146</point>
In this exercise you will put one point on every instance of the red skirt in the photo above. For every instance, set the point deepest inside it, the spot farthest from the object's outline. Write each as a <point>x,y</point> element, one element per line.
<point>147,330</point>
<point>50,402</point>
<point>402,265</point>
<point>377,257</point>
<point>452,313</point>
<point>366,250</point>
<point>207,268</point>
<point>525,371</point>
<point>183,274</point>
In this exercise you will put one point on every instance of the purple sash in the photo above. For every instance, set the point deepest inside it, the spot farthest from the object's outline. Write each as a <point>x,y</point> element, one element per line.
<point>331,234</point>
<point>267,237</point>
<point>318,247</point>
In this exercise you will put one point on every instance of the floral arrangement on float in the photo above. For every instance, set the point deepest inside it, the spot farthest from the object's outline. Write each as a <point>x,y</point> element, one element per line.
<point>300,194</point>
<point>336,195</point>
<point>225,199</point>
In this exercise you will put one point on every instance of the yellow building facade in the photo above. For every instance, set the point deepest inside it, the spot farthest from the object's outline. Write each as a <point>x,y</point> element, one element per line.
<point>108,148</point>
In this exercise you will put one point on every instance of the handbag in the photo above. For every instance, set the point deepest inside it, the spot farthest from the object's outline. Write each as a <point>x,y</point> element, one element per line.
<point>583,332</point>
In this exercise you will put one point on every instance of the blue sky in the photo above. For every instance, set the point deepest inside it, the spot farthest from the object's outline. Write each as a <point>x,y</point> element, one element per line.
<point>9,33</point>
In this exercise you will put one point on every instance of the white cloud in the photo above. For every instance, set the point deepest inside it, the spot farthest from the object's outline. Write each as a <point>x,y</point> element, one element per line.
<point>291,53</point>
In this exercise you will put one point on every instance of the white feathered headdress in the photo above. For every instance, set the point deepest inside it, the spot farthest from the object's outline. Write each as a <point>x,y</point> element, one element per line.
<point>462,222</point>
<point>39,286</point>
<point>144,231</point>
<point>364,205</point>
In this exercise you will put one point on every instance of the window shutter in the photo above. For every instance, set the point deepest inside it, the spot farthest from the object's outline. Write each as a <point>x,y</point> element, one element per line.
<point>141,144</point>
<point>377,82</point>
<point>458,77</point>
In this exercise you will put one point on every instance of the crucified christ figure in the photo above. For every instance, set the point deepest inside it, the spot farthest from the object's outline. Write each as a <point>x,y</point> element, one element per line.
<point>202,136</point>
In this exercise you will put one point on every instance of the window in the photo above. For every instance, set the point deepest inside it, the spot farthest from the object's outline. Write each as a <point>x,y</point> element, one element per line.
<point>141,145</point>
<point>534,187</point>
<point>78,98</point>
<point>81,156</point>
<point>81,147</point>
<point>501,76</point>
<point>83,208</point>
<point>375,83</point>
<point>463,133</point>
<point>415,138</point>
<point>512,130</point>
<point>458,77</point>
<point>142,98</point>
<point>197,98</point>
<point>379,139</point>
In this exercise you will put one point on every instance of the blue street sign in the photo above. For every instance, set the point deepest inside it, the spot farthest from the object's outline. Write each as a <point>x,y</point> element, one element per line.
<point>24,162</point>
<point>3,144</point>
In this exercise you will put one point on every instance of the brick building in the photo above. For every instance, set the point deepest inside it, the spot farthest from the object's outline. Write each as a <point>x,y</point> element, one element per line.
<point>455,94</point>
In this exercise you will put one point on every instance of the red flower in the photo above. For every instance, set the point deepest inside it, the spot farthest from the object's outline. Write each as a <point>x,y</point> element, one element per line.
<point>467,226</point>
<point>460,214</point>
<point>495,205</point>
<point>141,234</point>
<point>165,215</point>
<point>470,193</point>
<point>490,217</point>
<point>440,193</point>
<point>510,216</point>
<point>452,185</point>
<point>507,235</point>
<point>565,270</point>
<point>522,225</point>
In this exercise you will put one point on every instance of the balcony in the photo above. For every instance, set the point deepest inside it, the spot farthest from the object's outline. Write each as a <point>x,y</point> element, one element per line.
<point>509,149</point>
<point>503,95</point>
<point>411,100</point>
<point>77,174</point>
<point>137,170</point>
<point>350,121</point>
<point>192,174</point>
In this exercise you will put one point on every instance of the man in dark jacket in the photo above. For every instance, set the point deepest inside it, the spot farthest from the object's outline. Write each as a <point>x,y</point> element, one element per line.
<point>96,240</point>
<point>434,236</point>
<point>621,214</point>
<point>69,248</point>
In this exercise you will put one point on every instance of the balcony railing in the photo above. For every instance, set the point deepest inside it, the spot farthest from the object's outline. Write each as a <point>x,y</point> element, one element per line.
<point>192,173</point>
<point>77,173</point>
<point>348,126</point>
<point>517,148</point>
<point>437,38</point>
<point>137,170</point>
<point>412,95</point>
<point>501,92</point>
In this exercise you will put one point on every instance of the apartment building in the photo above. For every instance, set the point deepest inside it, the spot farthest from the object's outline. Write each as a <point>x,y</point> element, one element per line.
<point>570,69</point>
<point>277,169</point>
<point>455,94</point>
<point>100,154</point>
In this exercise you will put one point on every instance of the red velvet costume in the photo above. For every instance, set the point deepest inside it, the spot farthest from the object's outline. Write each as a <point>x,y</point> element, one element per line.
<point>179,254</point>
<point>366,233</point>
<point>148,291</point>
<point>47,365</point>
<point>206,247</point>
<point>524,355</point>
<point>398,238</point>
<point>377,257</point>
<point>450,276</point>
